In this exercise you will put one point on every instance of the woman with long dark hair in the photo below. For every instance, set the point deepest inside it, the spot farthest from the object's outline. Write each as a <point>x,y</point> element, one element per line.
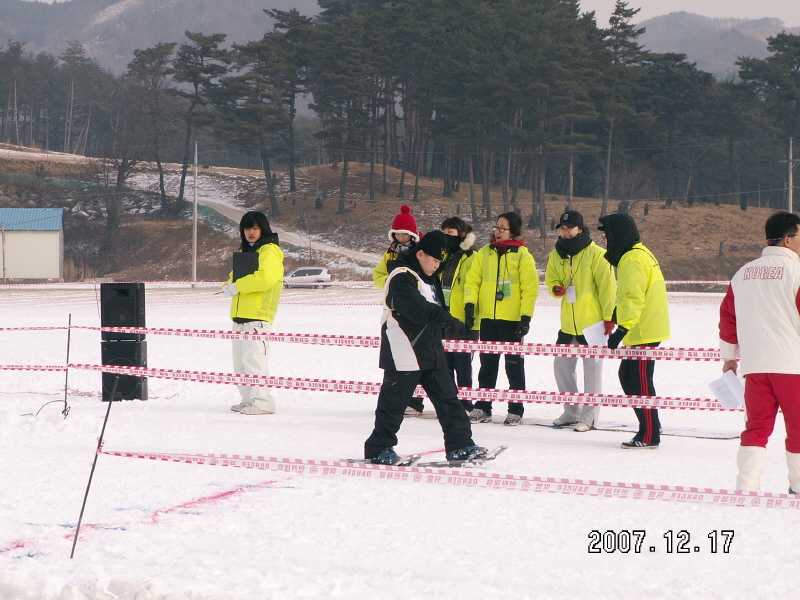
<point>255,294</point>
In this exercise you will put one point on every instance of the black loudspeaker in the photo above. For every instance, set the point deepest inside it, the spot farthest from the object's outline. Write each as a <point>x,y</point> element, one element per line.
<point>126,354</point>
<point>122,305</point>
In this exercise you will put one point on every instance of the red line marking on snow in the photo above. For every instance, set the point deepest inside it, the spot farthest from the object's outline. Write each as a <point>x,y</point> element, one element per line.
<point>153,518</point>
<point>205,501</point>
<point>16,545</point>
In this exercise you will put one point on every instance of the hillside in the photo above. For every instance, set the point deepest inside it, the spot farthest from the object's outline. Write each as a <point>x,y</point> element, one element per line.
<point>714,44</point>
<point>111,30</point>
<point>686,239</point>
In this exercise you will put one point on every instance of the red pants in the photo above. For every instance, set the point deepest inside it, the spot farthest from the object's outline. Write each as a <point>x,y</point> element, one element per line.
<point>764,394</point>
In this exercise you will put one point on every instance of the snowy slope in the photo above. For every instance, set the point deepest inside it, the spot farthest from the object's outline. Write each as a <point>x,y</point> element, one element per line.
<point>182,531</point>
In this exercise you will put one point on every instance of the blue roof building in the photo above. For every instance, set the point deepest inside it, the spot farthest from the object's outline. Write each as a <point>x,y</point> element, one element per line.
<point>32,244</point>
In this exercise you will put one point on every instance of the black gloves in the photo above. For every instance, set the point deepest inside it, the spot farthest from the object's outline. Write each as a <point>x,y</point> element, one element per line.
<point>615,338</point>
<point>456,328</point>
<point>469,316</point>
<point>524,326</point>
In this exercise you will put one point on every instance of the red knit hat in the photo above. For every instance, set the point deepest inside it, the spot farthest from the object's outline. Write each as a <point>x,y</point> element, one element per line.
<point>404,223</point>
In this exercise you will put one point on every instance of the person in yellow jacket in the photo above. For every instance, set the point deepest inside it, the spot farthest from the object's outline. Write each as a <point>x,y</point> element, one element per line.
<point>500,293</point>
<point>403,236</point>
<point>578,273</point>
<point>642,317</point>
<point>254,302</point>
<point>453,275</point>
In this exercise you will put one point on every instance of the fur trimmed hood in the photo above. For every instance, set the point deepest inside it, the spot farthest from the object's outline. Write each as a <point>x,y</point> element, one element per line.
<point>468,241</point>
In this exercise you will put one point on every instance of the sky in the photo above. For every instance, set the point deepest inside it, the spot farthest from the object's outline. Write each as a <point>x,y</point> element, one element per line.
<point>786,10</point>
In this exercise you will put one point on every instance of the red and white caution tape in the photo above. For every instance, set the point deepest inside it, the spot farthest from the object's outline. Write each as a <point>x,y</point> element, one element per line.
<point>480,479</point>
<point>360,387</point>
<point>31,368</point>
<point>698,282</point>
<point>32,328</point>
<point>635,352</point>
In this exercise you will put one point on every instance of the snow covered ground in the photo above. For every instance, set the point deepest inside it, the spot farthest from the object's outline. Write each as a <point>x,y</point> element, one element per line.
<point>175,531</point>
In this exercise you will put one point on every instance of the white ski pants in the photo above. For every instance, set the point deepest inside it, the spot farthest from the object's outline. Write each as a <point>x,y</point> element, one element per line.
<point>252,358</point>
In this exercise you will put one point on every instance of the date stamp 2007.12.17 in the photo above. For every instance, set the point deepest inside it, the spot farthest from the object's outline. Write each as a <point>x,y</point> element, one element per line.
<point>637,541</point>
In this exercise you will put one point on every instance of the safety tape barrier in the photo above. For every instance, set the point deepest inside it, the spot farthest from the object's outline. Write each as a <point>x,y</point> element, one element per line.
<point>635,352</point>
<point>464,393</point>
<point>341,282</point>
<point>698,282</point>
<point>33,328</point>
<point>31,368</point>
<point>532,349</point>
<point>480,479</point>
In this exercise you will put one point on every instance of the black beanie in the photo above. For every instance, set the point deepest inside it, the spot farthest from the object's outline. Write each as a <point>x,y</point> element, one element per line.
<point>434,243</point>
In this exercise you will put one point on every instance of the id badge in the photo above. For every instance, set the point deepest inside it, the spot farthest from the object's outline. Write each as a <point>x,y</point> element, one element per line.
<point>505,287</point>
<point>572,295</point>
<point>446,292</point>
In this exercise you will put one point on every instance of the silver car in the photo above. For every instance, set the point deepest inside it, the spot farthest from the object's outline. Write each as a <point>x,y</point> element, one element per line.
<point>308,277</point>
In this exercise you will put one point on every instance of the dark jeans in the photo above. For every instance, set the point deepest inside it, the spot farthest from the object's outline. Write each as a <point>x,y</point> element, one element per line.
<point>396,391</point>
<point>495,330</point>
<point>636,379</point>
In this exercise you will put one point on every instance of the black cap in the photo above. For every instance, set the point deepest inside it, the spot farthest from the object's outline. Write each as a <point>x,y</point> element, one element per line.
<point>570,218</point>
<point>434,243</point>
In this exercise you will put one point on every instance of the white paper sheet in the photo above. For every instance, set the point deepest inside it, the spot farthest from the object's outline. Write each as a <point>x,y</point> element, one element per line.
<point>728,389</point>
<point>595,334</point>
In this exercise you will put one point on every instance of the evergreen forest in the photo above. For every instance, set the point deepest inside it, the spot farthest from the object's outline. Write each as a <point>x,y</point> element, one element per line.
<point>521,95</point>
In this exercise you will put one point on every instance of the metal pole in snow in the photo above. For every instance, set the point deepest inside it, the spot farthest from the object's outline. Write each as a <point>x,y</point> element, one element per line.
<point>65,411</point>
<point>194,222</point>
<point>3,233</point>
<point>94,464</point>
<point>791,177</point>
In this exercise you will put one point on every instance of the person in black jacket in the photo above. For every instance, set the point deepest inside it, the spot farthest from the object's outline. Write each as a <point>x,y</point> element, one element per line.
<point>412,354</point>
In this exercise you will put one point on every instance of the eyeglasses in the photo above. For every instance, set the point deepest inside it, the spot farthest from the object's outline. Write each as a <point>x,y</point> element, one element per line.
<point>501,229</point>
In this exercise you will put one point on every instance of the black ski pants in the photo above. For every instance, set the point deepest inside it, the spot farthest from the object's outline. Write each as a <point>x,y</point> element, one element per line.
<point>636,379</point>
<point>397,390</point>
<point>496,330</point>
<point>460,366</point>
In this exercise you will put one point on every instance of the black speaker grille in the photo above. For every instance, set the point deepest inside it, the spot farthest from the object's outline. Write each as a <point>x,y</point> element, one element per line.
<point>128,354</point>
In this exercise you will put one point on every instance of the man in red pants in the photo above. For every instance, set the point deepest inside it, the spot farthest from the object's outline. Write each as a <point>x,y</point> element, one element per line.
<point>760,322</point>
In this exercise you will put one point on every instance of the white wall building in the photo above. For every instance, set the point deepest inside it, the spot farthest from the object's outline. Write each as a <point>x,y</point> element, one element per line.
<point>32,244</point>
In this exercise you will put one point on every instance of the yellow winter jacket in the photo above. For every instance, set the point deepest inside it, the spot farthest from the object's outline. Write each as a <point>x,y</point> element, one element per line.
<point>513,273</point>
<point>595,287</point>
<point>260,293</point>
<point>456,300</point>
<point>381,271</point>
<point>642,306</point>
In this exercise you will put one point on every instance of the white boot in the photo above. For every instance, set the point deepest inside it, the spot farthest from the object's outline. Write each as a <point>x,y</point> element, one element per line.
<point>751,461</point>
<point>793,462</point>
